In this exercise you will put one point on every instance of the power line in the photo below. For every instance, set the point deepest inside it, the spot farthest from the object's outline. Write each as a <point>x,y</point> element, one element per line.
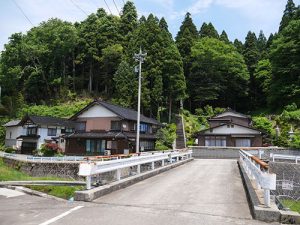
<point>116,7</point>
<point>23,12</point>
<point>78,7</point>
<point>107,6</point>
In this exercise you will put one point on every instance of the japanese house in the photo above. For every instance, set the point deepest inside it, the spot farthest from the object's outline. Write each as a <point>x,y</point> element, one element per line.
<point>230,129</point>
<point>31,132</point>
<point>104,128</point>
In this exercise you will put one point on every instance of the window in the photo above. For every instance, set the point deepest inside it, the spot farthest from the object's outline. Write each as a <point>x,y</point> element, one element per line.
<point>95,146</point>
<point>215,141</point>
<point>31,130</point>
<point>10,135</point>
<point>116,125</point>
<point>242,142</point>
<point>111,144</point>
<point>144,128</point>
<point>147,145</point>
<point>80,126</point>
<point>67,130</point>
<point>52,131</point>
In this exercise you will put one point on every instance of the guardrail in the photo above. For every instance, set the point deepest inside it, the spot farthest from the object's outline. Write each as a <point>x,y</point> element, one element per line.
<point>89,169</point>
<point>285,157</point>
<point>55,159</point>
<point>258,171</point>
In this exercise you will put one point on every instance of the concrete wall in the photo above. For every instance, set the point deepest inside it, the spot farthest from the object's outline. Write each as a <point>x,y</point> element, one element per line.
<point>231,153</point>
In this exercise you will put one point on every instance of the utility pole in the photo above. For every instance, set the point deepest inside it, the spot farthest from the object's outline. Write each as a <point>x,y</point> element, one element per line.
<point>140,57</point>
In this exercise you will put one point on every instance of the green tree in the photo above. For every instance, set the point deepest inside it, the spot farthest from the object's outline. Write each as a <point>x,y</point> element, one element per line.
<point>162,69</point>
<point>224,37</point>
<point>288,14</point>
<point>262,45</point>
<point>208,30</point>
<point>128,22</point>
<point>126,85</point>
<point>239,46</point>
<point>262,77</point>
<point>251,56</point>
<point>285,59</point>
<point>219,75</point>
<point>185,38</point>
<point>164,26</point>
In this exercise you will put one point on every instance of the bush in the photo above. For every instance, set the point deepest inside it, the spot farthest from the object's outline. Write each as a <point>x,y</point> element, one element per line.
<point>166,137</point>
<point>264,124</point>
<point>9,150</point>
<point>50,149</point>
<point>295,142</point>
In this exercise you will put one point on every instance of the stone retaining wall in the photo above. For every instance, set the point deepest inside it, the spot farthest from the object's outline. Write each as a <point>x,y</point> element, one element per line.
<point>69,170</point>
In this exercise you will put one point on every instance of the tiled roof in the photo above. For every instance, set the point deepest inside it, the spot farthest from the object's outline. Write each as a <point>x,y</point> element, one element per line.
<point>12,123</point>
<point>122,112</point>
<point>110,134</point>
<point>48,120</point>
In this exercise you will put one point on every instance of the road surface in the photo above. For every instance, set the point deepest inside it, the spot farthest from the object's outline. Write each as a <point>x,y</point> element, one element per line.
<point>204,191</point>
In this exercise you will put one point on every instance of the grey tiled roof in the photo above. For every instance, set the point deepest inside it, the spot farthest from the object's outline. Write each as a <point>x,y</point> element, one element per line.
<point>48,120</point>
<point>110,134</point>
<point>12,123</point>
<point>124,113</point>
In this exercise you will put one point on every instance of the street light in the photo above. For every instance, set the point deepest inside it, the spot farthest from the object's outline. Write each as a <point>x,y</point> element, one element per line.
<point>140,57</point>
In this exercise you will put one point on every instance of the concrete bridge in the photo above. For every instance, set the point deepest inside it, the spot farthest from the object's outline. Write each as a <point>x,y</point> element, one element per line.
<point>204,191</point>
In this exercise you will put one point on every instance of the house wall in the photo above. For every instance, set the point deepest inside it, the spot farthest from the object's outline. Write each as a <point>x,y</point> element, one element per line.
<point>75,147</point>
<point>11,135</point>
<point>98,123</point>
<point>231,130</point>
<point>97,111</point>
<point>256,141</point>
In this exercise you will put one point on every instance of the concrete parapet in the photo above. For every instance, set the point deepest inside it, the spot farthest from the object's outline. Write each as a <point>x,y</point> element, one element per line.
<point>90,195</point>
<point>260,212</point>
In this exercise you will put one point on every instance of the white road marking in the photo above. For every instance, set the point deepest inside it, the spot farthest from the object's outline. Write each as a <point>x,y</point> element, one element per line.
<point>60,216</point>
<point>10,193</point>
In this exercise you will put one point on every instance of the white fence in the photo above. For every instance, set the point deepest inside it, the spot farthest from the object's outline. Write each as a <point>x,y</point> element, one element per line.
<point>263,179</point>
<point>27,158</point>
<point>294,158</point>
<point>89,169</point>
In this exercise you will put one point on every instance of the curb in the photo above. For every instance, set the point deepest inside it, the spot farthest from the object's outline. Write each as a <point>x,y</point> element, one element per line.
<point>35,193</point>
<point>261,213</point>
<point>90,195</point>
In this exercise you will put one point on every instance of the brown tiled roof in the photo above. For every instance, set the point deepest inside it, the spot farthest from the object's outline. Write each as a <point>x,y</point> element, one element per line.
<point>125,113</point>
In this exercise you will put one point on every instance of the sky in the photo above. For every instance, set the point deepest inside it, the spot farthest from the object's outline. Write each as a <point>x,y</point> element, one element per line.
<point>236,17</point>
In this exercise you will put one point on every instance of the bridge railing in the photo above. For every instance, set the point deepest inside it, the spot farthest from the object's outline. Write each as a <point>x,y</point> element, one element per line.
<point>89,169</point>
<point>295,158</point>
<point>258,171</point>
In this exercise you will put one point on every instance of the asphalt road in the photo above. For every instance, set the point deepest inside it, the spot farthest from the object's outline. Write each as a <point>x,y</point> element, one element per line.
<point>200,192</point>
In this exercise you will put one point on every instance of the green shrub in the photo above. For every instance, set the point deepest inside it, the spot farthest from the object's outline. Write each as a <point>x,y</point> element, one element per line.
<point>166,137</point>
<point>50,149</point>
<point>264,124</point>
<point>9,150</point>
<point>295,142</point>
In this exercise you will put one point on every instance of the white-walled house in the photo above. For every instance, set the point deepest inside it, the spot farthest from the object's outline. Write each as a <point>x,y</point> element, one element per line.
<point>33,131</point>
<point>13,130</point>
<point>230,129</point>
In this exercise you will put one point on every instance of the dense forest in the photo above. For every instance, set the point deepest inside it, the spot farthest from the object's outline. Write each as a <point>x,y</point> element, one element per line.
<point>58,61</point>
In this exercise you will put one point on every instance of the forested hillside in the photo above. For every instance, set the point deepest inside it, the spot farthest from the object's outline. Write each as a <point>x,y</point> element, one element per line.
<point>58,61</point>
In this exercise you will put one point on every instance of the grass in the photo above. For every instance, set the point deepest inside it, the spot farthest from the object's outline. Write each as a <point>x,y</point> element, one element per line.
<point>292,205</point>
<point>9,174</point>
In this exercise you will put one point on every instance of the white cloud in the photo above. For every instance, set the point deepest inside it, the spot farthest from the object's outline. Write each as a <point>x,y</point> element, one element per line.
<point>199,6</point>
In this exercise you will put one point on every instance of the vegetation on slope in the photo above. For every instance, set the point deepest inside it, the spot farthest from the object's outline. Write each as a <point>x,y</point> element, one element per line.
<point>9,174</point>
